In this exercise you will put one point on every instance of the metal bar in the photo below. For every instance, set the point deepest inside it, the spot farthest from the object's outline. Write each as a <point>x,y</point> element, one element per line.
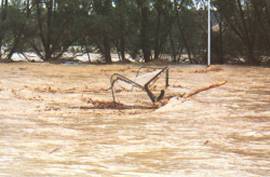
<point>116,77</point>
<point>149,93</point>
<point>153,98</point>
<point>167,78</point>
<point>156,75</point>
<point>125,79</point>
<point>147,67</point>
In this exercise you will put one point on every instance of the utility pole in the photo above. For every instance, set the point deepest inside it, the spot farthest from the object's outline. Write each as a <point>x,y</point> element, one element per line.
<point>209,33</point>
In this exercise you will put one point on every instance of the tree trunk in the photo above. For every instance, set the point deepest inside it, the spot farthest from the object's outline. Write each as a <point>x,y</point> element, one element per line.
<point>182,33</point>
<point>40,28</point>
<point>88,54</point>
<point>249,38</point>
<point>251,59</point>
<point>157,37</point>
<point>107,50</point>
<point>4,6</point>
<point>185,42</point>
<point>145,41</point>
<point>19,35</point>
<point>123,49</point>
<point>173,48</point>
<point>221,55</point>
<point>48,45</point>
<point>122,6</point>
<point>261,23</point>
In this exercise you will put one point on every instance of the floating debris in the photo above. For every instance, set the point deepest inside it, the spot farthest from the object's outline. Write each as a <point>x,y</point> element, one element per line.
<point>208,69</point>
<point>100,104</point>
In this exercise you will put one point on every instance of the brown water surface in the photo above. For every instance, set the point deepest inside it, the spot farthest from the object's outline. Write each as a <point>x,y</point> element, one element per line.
<point>48,127</point>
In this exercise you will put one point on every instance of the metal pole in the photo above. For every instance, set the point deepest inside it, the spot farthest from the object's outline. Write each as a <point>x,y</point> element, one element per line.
<point>209,33</point>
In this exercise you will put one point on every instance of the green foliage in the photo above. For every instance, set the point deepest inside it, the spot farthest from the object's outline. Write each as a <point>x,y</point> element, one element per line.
<point>144,29</point>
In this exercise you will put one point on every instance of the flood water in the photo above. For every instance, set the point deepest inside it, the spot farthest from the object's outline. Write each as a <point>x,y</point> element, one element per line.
<point>48,128</point>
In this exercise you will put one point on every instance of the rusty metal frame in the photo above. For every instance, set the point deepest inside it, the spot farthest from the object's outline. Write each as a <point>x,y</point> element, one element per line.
<point>115,77</point>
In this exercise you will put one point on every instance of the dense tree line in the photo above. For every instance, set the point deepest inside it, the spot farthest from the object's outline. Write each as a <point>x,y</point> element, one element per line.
<point>146,30</point>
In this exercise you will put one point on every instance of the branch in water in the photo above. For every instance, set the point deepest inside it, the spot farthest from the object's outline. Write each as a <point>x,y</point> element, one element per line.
<point>195,92</point>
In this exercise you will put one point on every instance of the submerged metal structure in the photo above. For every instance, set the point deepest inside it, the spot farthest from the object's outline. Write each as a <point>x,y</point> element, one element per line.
<point>143,84</point>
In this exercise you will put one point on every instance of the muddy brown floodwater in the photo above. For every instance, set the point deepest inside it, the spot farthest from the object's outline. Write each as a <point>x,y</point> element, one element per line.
<point>48,127</point>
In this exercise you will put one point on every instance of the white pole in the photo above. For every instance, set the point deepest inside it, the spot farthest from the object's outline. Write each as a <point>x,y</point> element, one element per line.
<point>209,33</point>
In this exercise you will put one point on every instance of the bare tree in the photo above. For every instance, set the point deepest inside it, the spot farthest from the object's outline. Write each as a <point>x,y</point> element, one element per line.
<point>144,29</point>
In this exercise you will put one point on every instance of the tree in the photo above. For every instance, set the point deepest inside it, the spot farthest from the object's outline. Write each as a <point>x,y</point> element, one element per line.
<point>261,10</point>
<point>103,27</point>
<point>239,15</point>
<point>163,22</point>
<point>143,6</point>
<point>56,25</point>
<point>3,18</point>
<point>20,19</point>
<point>120,27</point>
